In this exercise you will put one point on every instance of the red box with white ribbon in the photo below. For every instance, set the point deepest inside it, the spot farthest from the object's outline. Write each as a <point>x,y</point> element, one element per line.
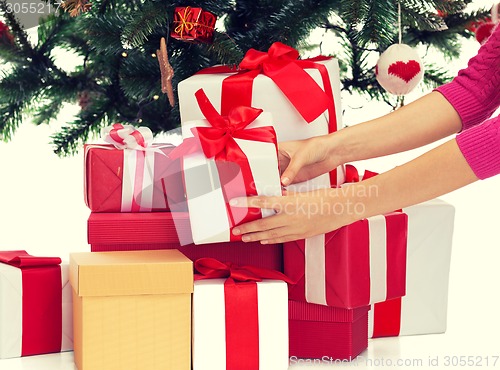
<point>354,266</point>
<point>326,333</point>
<point>165,230</point>
<point>35,305</point>
<point>224,157</point>
<point>423,310</point>
<point>240,322</point>
<point>308,107</point>
<point>124,176</point>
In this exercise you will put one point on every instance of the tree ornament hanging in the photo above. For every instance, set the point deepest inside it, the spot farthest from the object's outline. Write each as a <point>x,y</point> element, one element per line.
<point>76,7</point>
<point>6,37</point>
<point>399,69</point>
<point>484,28</point>
<point>167,72</point>
<point>193,25</point>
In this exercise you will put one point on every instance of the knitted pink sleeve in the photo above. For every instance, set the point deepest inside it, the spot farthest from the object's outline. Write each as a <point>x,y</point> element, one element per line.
<point>480,146</point>
<point>475,92</point>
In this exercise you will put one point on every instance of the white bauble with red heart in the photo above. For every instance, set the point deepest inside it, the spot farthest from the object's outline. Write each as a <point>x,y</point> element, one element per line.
<point>399,69</point>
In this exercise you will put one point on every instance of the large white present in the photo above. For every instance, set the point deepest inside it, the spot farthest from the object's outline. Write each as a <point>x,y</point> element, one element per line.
<point>302,95</point>
<point>423,310</point>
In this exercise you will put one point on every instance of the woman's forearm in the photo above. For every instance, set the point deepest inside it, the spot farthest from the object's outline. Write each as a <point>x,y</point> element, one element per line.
<point>433,174</point>
<point>421,122</point>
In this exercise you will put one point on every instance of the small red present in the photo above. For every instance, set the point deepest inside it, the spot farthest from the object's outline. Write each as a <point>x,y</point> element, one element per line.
<point>354,266</point>
<point>193,24</point>
<point>165,230</point>
<point>131,176</point>
<point>327,333</point>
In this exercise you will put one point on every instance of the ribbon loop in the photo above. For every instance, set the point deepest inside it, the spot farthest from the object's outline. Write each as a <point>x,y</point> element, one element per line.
<point>218,140</point>
<point>210,268</point>
<point>21,259</point>
<point>129,137</point>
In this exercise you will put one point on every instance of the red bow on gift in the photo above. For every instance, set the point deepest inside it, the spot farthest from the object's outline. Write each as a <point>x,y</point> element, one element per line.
<point>352,175</point>
<point>218,141</point>
<point>281,63</point>
<point>210,268</point>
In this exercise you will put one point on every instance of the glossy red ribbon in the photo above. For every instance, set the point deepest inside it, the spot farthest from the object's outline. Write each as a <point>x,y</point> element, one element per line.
<point>242,308</point>
<point>282,65</point>
<point>352,175</point>
<point>219,142</point>
<point>42,301</point>
<point>387,318</point>
<point>210,268</point>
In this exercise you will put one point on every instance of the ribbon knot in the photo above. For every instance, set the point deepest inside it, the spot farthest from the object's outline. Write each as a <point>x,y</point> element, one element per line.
<point>277,57</point>
<point>210,268</point>
<point>184,25</point>
<point>127,136</point>
<point>219,139</point>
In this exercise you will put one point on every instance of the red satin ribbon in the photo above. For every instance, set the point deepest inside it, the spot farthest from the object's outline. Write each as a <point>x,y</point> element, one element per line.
<point>282,65</point>
<point>352,175</point>
<point>241,306</point>
<point>387,318</point>
<point>219,142</point>
<point>210,268</point>
<point>42,301</point>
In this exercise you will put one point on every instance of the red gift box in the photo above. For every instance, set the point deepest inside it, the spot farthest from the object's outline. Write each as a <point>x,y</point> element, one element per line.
<point>165,230</point>
<point>327,333</point>
<point>193,24</point>
<point>351,267</point>
<point>128,180</point>
<point>35,307</point>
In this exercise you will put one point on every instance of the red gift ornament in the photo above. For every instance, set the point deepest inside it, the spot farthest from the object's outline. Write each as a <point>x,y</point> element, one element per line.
<point>6,37</point>
<point>193,24</point>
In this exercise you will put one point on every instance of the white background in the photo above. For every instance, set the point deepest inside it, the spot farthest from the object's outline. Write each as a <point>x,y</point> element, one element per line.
<point>42,211</point>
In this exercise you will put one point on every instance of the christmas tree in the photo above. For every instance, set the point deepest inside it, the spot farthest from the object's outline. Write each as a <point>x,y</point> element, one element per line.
<point>116,42</point>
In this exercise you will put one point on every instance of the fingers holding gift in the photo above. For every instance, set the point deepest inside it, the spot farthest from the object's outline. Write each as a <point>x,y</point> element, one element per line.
<point>300,215</point>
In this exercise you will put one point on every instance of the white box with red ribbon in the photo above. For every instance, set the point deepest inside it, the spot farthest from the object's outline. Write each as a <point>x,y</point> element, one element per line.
<point>240,322</point>
<point>423,310</point>
<point>302,95</point>
<point>36,314</point>
<point>226,157</point>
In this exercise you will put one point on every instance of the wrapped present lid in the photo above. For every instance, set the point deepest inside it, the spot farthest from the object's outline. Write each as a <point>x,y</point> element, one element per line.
<point>98,274</point>
<point>304,311</point>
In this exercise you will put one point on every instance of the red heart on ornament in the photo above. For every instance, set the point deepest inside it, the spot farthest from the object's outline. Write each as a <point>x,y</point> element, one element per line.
<point>405,71</point>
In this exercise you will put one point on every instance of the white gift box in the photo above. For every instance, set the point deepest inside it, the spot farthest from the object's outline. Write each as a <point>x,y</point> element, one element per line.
<point>266,95</point>
<point>209,325</point>
<point>11,311</point>
<point>424,307</point>
<point>207,205</point>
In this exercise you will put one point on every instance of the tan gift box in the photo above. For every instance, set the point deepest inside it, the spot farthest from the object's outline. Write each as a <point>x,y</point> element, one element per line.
<point>132,310</point>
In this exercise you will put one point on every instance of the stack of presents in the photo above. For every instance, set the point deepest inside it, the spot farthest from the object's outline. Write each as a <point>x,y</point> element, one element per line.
<point>166,284</point>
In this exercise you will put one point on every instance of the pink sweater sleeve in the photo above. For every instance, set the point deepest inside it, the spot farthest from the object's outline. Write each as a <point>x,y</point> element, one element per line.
<point>475,92</point>
<point>480,146</point>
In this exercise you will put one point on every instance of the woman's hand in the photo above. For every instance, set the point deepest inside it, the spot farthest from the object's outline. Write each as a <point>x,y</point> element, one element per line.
<point>298,215</point>
<point>305,159</point>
